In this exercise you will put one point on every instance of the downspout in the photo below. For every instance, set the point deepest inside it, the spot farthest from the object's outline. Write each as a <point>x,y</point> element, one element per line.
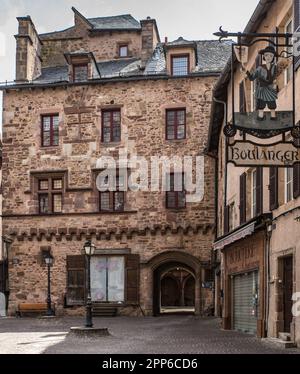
<point>267,276</point>
<point>225,174</point>
<point>217,190</point>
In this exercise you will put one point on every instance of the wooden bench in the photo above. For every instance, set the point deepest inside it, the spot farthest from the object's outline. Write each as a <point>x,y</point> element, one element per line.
<point>32,308</point>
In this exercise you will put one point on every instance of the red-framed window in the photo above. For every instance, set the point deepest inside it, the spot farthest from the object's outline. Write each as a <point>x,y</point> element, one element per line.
<point>50,130</point>
<point>123,50</point>
<point>112,201</point>
<point>180,64</point>
<point>50,195</point>
<point>176,197</point>
<point>175,124</point>
<point>80,72</point>
<point>111,126</point>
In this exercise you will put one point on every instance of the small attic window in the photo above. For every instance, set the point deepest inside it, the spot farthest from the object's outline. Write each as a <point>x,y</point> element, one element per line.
<point>123,50</point>
<point>180,65</point>
<point>80,72</point>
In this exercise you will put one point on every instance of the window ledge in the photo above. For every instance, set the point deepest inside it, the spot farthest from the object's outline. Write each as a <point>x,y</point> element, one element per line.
<point>111,144</point>
<point>176,210</point>
<point>176,140</point>
<point>68,214</point>
<point>50,147</point>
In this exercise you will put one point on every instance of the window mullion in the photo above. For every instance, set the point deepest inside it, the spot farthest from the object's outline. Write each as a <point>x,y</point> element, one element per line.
<point>51,130</point>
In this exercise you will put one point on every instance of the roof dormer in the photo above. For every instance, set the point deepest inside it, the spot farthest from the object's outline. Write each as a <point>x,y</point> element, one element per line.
<point>181,57</point>
<point>82,66</point>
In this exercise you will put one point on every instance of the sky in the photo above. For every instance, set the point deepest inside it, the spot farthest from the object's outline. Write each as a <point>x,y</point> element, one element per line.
<point>191,19</point>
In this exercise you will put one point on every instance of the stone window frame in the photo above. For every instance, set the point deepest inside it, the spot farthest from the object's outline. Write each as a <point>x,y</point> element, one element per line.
<point>176,206</point>
<point>123,45</point>
<point>51,191</point>
<point>111,111</point>
<point>96,194</point>
<point>176,110</point>
<point>51,115</point>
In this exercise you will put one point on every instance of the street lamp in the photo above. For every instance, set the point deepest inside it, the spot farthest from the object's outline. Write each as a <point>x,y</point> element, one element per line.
<point>89,250</point>
<point>49,262</point>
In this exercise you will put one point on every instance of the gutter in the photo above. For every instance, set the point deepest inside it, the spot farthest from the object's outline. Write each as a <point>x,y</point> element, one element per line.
<point>108,80</point>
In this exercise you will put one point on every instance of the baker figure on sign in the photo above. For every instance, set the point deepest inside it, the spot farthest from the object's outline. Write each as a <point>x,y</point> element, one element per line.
<point>265,76</point>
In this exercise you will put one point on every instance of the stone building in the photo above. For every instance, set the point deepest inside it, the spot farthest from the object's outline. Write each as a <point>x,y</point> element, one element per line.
<point>257,243</point>
<point>100,87</point>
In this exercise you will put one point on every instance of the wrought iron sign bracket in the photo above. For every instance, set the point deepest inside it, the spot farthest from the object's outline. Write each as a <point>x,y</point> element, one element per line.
<point>264,121</point>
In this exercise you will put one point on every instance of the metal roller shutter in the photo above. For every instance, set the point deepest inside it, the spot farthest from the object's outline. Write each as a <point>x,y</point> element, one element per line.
<point>245,302</point>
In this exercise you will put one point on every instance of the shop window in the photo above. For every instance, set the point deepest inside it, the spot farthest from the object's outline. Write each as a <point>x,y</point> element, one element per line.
<point>108,279</point>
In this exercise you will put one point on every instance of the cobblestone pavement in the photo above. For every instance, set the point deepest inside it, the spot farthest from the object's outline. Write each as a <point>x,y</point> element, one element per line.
<point>164,335</point>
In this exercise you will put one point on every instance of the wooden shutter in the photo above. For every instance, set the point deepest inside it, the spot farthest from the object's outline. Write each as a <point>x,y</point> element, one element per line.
<point>296,182</point>
<point>259,191</point>
<point>297,26</point>
<point>132,279</point>
<point>226,219</point>
<point>243,198</point>
<point>273,187</point>
<point>76,280</point>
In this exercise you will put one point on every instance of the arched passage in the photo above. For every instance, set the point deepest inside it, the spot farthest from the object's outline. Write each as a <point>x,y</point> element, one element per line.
<point>176,283</point>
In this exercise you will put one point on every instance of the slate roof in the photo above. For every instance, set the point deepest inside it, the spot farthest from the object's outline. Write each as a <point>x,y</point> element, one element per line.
<point>213,55</point>
<point>125,21</point>
<point>180,42</point>
<point>211,58</point>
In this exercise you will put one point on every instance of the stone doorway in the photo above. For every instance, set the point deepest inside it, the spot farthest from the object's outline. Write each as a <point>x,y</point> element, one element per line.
<point>174,290</point>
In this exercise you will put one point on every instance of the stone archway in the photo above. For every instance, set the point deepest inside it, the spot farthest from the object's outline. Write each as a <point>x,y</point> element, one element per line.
<point>165,266</point>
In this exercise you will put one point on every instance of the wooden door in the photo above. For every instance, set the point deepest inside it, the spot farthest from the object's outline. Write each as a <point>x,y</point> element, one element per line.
<point>287,292</point>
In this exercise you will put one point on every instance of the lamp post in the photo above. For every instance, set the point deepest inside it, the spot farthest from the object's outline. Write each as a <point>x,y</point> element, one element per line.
<point>49,262</point>
<point>89,250</point>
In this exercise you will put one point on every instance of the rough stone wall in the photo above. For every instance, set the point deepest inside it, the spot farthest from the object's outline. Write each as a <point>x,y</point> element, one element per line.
<point>28,275</point>
<point>146,227</point>
<point>104,45</point>
<point>28,53</point>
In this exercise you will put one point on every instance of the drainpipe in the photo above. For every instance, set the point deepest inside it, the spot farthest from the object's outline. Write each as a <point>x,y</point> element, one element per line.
<point>217,188</point>
<point>269,228</point>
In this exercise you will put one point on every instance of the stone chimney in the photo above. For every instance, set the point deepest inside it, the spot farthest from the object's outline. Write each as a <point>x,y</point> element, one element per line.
<point>150,38</point>
<point>28,56</point>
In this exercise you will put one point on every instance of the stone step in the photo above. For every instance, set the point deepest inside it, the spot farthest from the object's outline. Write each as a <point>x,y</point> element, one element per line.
<point>285,336</point>
<point>104,311</point>
<point>280,343</point>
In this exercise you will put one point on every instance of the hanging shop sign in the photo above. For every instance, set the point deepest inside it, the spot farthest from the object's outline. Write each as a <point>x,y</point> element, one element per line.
<point>249,154</point>
<point>255,108</point>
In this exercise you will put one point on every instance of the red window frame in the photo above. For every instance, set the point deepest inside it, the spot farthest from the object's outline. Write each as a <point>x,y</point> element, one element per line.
<point>122,46</point>
<point>111,111</point>
<point>176,206</point>
<point>80,66</point>
<point>51,144</point>
<point>180,56</point>
<point>176,110</point>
